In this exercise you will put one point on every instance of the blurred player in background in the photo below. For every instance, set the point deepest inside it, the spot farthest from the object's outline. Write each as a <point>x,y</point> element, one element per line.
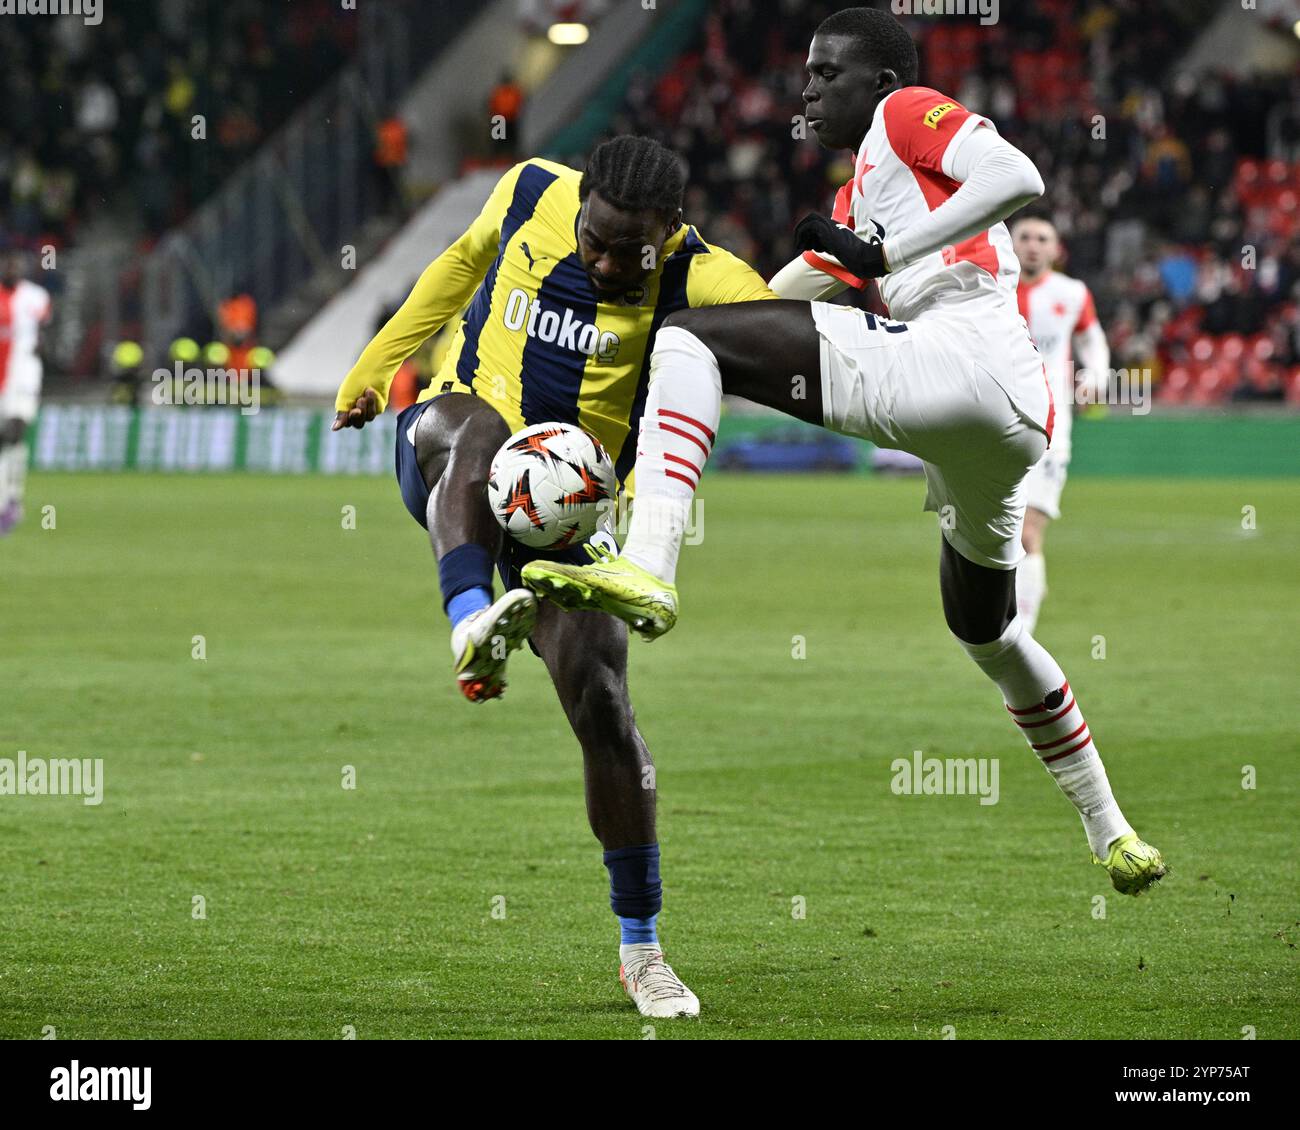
<point>24,309</point>
<point>951,376</point>
<point>570,274</point>
<point>1063,322</point>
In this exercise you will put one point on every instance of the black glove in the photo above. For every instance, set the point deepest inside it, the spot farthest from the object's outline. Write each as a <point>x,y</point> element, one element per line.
<point>817,233</point>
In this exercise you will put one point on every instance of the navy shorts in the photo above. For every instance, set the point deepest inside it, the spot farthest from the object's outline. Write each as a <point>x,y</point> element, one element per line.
<point>514,555</point>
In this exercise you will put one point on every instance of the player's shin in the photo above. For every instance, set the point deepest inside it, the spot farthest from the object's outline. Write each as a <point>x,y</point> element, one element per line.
<point>678,428</point>
<point>635,896</point>
<point>1042,704</point>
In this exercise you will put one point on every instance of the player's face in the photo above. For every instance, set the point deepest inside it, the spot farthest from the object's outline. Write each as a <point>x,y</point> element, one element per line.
<point>619,249</point>
<point>842,92</point>
<point>1036,245</point>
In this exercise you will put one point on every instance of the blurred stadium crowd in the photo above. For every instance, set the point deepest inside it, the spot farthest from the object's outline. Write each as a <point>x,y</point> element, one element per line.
<point>1154,216</point>
<point>1175,193</point>
<point>87,107</point>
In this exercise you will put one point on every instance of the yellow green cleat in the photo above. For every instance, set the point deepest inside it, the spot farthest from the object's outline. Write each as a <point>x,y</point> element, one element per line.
<point>1133,865</point>
<point>611,584</point>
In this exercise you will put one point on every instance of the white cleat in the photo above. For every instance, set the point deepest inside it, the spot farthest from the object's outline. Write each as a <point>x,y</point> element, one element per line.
<point>482,643</point>
<point>655,989</point>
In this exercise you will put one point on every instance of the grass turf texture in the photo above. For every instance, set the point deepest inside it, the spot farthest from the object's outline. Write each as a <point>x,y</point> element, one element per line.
<point>374,907</point>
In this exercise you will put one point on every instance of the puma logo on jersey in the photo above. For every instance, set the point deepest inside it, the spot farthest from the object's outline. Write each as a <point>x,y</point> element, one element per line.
<point>933,117</point>
<point>568,331</point>
<point>532,262</point>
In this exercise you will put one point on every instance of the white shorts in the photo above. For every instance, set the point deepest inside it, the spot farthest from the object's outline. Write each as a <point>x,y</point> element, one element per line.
<point>22,390</point>
<point>1045,481</point>
<point>961,387</point>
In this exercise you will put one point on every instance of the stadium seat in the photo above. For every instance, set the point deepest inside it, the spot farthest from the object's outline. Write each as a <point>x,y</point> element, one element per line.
<point>1261,347</point>
<point>1174,387</point>
<point>1231,349</point>
<point>1262,378</point>
<point>1213,384</point>
<point>1202,348</point>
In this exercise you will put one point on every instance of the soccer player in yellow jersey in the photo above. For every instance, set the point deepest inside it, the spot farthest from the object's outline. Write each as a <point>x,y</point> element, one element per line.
<point>568,277</point>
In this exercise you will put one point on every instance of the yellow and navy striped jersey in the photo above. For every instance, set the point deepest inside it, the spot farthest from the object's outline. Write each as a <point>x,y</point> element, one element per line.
<point>536,341</point>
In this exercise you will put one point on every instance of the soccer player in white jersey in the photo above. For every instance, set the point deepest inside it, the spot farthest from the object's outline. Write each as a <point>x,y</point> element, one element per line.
<point>1063,322</point>
<point>950,376</point>
<point>24,308</point>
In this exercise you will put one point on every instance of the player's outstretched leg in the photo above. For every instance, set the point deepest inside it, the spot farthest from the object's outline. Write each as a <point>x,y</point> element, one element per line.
<point>586,655</point>
<point>444,456</point>
<point>979,604</point>
<point>768,352</point>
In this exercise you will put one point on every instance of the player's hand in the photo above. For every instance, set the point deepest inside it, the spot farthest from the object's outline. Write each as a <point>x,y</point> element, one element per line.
<point>817,233</point>
<point>364,409</point>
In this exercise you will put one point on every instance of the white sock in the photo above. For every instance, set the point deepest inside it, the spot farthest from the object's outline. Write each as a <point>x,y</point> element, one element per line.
<point>13,473</point>
<point>678,427</point>
<point>1036,693</point>
<point>637,951</point>
<point>1031,587</point>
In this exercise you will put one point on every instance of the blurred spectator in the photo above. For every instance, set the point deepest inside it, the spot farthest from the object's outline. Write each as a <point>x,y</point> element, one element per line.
<point>389,159</point>
<point>505,106</point>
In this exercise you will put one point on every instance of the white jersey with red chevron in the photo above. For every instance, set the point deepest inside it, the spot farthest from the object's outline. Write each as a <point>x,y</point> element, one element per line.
<point>902,173</point>
<point>23,308</point>
<point>1056,307</point>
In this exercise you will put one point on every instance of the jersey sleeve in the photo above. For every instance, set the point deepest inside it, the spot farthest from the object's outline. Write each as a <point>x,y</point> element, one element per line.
<point>827,264</point>
<point>925,127</point>
<point>441,291</point>
<point>720,277</point>
<point>1087,314</point>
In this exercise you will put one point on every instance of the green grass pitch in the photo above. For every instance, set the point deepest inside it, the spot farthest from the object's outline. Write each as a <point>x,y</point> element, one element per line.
<point>372,909</point>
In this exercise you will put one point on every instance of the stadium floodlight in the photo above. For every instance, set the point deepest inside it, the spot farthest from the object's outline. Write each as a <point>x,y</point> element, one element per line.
<point>567,35</point>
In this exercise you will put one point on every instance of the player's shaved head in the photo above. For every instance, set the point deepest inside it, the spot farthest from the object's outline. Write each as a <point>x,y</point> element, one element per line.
<point>878,38</point>
<point>858,57</point>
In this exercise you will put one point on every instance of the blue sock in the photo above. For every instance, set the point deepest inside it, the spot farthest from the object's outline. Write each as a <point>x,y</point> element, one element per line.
<point>638,930</point>
<point>635,892</point>
<point>465,577</point>
<point>467,603</point>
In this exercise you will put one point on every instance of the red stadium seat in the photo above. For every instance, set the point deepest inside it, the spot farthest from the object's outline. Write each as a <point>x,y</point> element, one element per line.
<point>1202,348</point>
<point>1263,378</point>
<point>1231,348</point>
<point>1213,384</point>
<point>1261,347</point>
<point>1293,385</point>
<point>1175,385</point>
